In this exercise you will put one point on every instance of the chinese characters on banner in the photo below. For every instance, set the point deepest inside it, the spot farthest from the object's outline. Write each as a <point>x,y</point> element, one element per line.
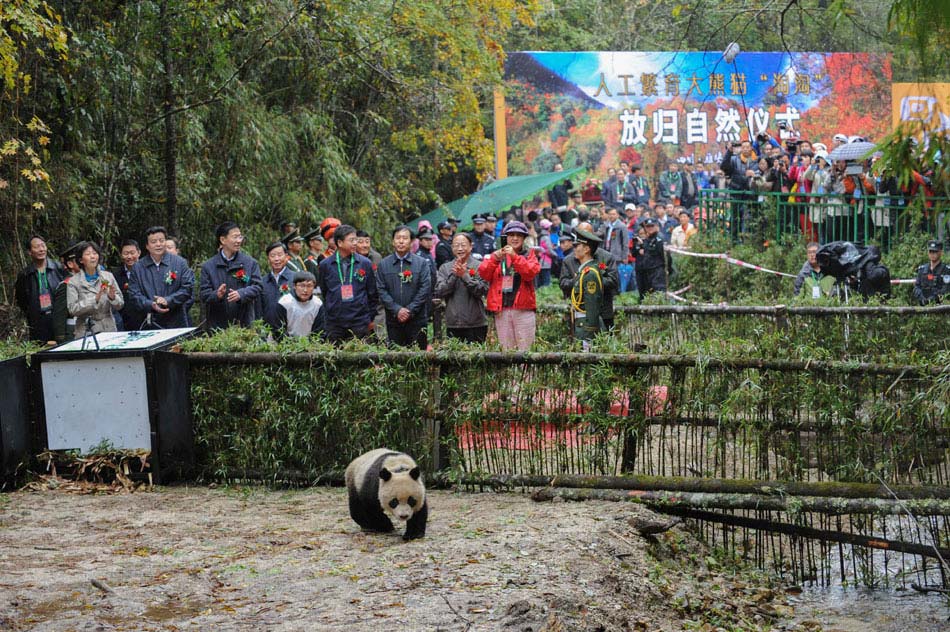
<point>595,108</point>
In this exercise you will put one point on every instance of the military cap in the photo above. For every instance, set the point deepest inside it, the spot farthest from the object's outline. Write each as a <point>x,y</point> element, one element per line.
<point>587,238</point>
<point>290,237</point>
<point>478,219</point>
<point>313,234</point>
<point>650,222</point>
<point>934,245</point>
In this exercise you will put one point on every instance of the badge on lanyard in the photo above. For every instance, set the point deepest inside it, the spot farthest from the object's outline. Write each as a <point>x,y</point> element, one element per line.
<point>507,283</point>
<point>46,299</point>
<point>641,192</point>
<point>346,289</point>
<point>815,291</point>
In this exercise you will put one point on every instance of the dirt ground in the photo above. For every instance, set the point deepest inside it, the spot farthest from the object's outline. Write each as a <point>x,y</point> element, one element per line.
<point>234,558</point>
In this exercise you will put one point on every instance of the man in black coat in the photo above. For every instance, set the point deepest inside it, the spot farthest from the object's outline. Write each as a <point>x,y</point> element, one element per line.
<point>33,290</point>
<point>275,284</point>
<point>651,260</point>
<point>162,284</point>
<point>132,317</point>
<point>404,282</point>
<point>443,249</point>
<point>230,281</point>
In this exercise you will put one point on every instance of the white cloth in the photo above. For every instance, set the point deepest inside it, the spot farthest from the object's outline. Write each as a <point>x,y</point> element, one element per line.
<point>300,315</point>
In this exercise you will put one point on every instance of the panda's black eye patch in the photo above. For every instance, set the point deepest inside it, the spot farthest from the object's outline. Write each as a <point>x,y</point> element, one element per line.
<point>411,502</point>
<point>394,503</point>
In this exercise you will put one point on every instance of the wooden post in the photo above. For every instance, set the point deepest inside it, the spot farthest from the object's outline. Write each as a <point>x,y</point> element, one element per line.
<point>501,135</point>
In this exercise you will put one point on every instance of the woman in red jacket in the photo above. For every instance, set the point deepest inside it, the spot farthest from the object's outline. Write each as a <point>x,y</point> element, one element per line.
<point>510,273</point>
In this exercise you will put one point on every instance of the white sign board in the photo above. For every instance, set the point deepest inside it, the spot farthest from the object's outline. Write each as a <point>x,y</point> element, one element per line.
<point>126,340</point>
<point>91,401</point>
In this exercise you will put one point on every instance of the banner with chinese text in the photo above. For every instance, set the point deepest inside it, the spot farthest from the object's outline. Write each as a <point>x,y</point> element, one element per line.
<point>922,104</point>
<point>598,108</point>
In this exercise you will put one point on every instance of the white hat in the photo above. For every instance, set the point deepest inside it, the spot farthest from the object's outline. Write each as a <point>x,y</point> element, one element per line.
<point>819,147</point>
<point>821,154</point>
<point>841,138</point>
<point>856,139</point>
<point>630,207</point>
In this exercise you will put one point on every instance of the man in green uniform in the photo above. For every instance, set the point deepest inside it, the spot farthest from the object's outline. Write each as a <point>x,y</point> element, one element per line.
<point>294,244</point>
<point>63,323</point>
<point>587,295</point>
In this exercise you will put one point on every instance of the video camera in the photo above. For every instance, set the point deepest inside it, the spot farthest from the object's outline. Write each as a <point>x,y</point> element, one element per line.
<point>859,267</point>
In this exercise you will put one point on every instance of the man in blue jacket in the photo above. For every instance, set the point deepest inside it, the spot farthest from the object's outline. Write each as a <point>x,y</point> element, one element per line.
<point>277,283</point>
<point>404,281</point>
<point>348,285</point>
<point>161,283</point>
<point>230,281</point>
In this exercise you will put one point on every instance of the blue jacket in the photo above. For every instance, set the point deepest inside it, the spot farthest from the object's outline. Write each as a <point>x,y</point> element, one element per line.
<point>396,293</point>
<point>340,315</point>
<point>242,274</point>
<point>170,278</point>
<point>271,293</point>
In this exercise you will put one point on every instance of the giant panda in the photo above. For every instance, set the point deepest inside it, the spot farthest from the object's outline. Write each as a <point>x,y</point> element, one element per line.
<point>383,481</point>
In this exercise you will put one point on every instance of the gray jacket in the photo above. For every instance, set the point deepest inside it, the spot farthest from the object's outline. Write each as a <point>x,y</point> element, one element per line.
<point>464,296</point>
<point>81,302</point>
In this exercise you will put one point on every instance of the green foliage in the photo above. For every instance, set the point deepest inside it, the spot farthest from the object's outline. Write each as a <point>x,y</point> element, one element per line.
<point>15,348</point>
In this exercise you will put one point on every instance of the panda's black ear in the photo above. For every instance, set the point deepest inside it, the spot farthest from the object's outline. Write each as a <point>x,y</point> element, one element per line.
<point>415,473</point>
<point>385,474</point>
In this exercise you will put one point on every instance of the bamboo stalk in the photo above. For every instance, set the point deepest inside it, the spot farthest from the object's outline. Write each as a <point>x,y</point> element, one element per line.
<point>794,504</point>
<point>785,528</point>
<point>824,489</point>
<point>463,358</point>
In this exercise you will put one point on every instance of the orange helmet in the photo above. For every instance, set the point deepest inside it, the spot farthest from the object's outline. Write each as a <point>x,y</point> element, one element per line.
<point>328,227</point>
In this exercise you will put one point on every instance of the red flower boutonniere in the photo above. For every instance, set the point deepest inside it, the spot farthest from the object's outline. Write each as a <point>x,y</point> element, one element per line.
<point>360,274</point>
<point>374,267</point>
<point>240,275</point>
<point>407,276</point>
<point>472,272</point>
<point>284,289</point>
<point>602,266</point>
<point>170,277</point>
<point>125,285</point>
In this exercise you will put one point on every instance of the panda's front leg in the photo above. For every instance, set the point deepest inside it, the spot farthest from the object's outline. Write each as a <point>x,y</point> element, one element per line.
<point>416,526</point>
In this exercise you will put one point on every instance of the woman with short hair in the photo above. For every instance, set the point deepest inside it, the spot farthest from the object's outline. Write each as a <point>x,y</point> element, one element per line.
<point>92,293</point>
<point>510,273</point>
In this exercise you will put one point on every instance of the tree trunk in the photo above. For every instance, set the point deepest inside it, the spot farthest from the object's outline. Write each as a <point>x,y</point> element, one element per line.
<point>170,142</point>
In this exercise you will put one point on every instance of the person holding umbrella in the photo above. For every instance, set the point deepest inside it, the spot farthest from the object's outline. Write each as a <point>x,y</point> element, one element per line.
<point>510,273</point>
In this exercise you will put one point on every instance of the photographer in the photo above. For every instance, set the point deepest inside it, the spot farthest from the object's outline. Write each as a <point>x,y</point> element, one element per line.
<point>739,164</point>
<point>799,168</point>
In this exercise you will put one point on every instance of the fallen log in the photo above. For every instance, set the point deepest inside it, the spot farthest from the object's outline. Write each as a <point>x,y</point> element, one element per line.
<point>832,489</point>
<point>844,537</point>
<point>789,504</point>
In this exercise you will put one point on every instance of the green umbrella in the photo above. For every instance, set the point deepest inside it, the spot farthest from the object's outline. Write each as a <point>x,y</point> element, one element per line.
<point>496,197</point>
<point>501,195</point>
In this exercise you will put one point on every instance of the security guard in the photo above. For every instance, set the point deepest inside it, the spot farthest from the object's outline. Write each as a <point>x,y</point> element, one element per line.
<point>294,243</point>
<point>315,246</point>
<point>483,243</point>
<point>587,295</point>
<point>651,259</point>
<point>933,278</point>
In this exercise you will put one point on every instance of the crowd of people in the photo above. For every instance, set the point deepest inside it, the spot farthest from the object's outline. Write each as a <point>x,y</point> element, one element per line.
<point>595,241</point>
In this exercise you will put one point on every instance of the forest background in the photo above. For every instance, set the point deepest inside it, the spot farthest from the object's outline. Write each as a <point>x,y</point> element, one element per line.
<point>119,115</point>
